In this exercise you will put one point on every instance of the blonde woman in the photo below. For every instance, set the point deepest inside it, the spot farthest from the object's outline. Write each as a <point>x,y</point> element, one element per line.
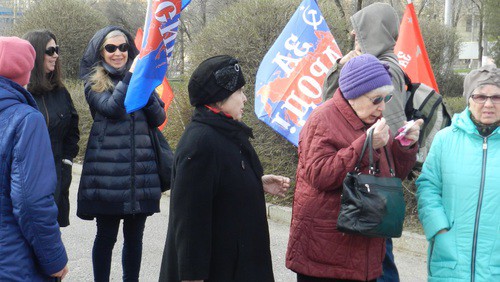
<point>120,177</point>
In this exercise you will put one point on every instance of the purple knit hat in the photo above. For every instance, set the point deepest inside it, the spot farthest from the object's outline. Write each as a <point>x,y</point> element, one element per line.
<point>361,75</point>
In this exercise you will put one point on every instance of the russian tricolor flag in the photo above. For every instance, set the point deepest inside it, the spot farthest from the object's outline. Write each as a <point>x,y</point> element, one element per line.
<point>160,31</point>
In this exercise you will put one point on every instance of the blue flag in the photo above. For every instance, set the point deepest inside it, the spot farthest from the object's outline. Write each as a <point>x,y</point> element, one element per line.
<point>160,31</point>
<point>290,77</point>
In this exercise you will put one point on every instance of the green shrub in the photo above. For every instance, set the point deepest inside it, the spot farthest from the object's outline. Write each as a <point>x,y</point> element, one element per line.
<point>453,85</point>
<point>178,114</point>
<point>72,21</point>
<point>455,104</point>
<point>75,88</point>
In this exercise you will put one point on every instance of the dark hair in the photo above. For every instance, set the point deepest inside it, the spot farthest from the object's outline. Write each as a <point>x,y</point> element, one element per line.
<point>41,82</point>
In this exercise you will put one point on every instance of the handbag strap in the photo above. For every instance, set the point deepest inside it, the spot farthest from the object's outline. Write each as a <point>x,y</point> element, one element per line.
<point>387,155</point>
<point>369,144</point>
<point>372,170</point>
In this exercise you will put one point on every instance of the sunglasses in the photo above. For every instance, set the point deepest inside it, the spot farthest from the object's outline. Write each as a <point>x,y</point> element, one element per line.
<point>51,50</point>
<point>227,77</point>
<point>110,48</point>
<point>481,99</point>
<point>379,99</point>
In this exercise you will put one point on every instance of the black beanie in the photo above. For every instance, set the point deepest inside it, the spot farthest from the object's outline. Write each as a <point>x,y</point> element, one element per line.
<point>214,80</point>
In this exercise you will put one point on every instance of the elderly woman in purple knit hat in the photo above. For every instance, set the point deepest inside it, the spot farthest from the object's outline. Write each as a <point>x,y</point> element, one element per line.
<point>329,146</point>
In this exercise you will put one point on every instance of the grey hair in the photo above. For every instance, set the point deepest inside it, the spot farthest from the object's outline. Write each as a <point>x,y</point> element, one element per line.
<point>112,34</point>
<point>383,89</point>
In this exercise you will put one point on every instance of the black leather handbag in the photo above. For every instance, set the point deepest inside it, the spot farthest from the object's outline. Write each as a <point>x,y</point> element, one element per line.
<point>164,157</point>
<point>372,206</point>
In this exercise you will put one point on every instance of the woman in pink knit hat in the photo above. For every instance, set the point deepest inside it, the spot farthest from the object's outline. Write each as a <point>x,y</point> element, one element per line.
<point>32,249</point>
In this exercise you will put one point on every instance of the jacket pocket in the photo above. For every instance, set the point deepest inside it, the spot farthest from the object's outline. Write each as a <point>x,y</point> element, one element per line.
<point>443,254</point>
<point>326,245</point>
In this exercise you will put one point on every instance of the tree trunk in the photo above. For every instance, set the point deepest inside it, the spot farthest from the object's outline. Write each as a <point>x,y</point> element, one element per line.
<point>359,5</point>
<point>181,49</point>
<point>421,8</point>
<point>458,13</point>
<point>480,39</point>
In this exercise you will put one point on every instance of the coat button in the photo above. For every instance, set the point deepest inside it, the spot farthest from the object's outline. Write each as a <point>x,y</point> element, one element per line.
<point>243,164</point>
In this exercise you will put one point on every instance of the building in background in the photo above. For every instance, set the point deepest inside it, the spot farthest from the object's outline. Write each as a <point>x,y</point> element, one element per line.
<point>468,29</point>
<point>10,12</point>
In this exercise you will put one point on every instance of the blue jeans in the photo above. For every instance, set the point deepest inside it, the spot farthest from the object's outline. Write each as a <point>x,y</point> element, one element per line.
<point>390,272</point>
<point>107,231</point>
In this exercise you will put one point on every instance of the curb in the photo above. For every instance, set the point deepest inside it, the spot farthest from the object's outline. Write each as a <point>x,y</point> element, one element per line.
<point>409,241</point>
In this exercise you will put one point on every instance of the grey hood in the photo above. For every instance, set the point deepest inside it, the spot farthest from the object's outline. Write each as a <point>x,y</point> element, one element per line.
<point>377,29</point>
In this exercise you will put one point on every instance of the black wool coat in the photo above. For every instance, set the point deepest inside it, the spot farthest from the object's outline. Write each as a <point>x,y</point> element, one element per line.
<point>119,175</point>
<point>217,227</point>
<point>62,122</point>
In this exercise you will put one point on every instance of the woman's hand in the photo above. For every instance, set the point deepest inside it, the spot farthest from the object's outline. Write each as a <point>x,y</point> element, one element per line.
<point>414,132</point>
<point>62,273</point>
<point>132,67</point>
<point>275,184</point>
<point>350,55</point>
<point>380,133</point>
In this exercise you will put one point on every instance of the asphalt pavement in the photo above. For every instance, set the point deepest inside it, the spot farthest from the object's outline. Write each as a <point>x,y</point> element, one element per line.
<point>79,237</point>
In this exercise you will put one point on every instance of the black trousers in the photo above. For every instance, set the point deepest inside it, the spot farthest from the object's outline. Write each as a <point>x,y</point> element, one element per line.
<point>305,278</point>
<point>107,231</point>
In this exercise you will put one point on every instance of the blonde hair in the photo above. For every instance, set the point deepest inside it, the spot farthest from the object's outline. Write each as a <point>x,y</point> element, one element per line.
<point>99,79</point>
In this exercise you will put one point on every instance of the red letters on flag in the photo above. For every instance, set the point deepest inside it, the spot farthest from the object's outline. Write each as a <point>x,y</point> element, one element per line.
<point>411,52</point>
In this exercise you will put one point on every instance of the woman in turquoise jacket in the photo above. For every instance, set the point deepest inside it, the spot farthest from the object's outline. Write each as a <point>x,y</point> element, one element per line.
<point>459,188</point>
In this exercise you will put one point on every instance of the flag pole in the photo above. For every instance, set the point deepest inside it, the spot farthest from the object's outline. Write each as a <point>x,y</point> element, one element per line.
<point>146,22</point>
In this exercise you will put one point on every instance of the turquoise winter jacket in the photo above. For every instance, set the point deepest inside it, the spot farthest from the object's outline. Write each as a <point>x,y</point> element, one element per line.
<point>459,190</point>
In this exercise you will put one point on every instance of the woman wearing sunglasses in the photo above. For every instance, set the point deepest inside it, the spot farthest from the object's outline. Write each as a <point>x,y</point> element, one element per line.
<point>330,144</point>
<point>119,178</point>
<point>56,105</point>
<point>458,189</point>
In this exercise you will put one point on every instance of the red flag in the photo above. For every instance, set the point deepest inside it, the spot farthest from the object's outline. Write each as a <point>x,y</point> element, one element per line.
<point>164,90</point>
<point>411,52</point>
<point>167,95</point>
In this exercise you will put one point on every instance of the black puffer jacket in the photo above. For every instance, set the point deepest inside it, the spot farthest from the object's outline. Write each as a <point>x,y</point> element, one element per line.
<point>119,172</point>
<point>62,121</point>
<point>217,226</point>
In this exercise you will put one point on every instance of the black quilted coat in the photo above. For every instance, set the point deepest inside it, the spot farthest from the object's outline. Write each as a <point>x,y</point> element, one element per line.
<point>119,173</point>
<point>62,122</point>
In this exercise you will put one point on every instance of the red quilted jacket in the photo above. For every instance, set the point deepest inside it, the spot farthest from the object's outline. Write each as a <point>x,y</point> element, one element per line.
<point>329,146</point>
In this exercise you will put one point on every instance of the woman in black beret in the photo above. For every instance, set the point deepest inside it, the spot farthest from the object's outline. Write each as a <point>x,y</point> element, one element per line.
<point>218,226</point>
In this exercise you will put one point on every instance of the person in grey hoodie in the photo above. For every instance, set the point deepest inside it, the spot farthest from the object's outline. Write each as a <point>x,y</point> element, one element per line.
<point>375,31</point>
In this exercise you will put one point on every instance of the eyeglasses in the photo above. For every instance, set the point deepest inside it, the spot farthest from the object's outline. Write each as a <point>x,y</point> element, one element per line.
<point>481,99</point>
<point>51,50</point>
<point>379,99</point>
<point>111,48</point>
<point>227,77</point>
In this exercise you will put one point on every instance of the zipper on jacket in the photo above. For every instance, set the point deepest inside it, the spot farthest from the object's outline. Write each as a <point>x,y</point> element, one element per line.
<point>47,119</point>
<point>132,162</point>
<point>478,210</point>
